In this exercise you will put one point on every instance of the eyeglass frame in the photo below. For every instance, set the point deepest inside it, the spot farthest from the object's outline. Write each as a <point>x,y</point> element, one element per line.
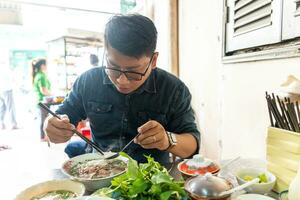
<point>126,71</point>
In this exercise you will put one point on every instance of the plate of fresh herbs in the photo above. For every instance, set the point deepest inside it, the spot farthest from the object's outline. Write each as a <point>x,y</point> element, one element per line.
<point>144,181</point>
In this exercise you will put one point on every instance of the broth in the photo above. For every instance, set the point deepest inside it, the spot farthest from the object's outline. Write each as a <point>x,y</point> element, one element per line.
<point>56,195</point>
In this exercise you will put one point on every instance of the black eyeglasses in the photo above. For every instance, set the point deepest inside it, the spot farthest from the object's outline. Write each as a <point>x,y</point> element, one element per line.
<point>130,75</point>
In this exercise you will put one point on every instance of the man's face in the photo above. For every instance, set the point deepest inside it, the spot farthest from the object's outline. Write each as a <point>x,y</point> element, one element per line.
<point>130,82</point>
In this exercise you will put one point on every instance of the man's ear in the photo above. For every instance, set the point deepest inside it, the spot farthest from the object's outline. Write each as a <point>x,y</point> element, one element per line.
<point>154,60</point>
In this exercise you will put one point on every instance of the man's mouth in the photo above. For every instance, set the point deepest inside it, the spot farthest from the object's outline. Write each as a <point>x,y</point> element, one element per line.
<point>123,89</point>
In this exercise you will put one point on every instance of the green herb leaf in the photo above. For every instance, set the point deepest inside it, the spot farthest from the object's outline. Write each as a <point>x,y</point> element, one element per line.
<point>155,189</point>
<point>138,186</point>
<point>165,196</point>
<point>161,177</point>
<point>133,168</point>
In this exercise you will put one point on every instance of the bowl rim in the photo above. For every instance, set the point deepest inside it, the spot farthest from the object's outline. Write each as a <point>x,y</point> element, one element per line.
<point>40,184</point>
<point>186,173</point>
<point>269,174</point>
<point>88,179</point>
<point>256,195</point>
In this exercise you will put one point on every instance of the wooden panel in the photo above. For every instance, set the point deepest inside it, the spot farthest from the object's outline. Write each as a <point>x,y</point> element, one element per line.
<point>283,156</point>
<point>283,162</point>
<point>174,37</point>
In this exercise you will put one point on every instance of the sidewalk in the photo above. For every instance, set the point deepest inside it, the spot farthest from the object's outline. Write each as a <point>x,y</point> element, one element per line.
<point>25,146</point>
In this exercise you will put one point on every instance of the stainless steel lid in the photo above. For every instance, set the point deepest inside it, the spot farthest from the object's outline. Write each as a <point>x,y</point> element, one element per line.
<point>207,186</point>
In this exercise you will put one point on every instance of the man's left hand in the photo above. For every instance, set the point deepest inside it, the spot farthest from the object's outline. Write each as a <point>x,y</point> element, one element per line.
<point>152,135</point>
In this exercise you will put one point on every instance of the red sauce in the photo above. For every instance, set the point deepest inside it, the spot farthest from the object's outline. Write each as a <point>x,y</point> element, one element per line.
<point>211,168</point>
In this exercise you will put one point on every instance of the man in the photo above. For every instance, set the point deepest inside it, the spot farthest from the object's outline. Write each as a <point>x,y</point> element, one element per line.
<point>130,96</point>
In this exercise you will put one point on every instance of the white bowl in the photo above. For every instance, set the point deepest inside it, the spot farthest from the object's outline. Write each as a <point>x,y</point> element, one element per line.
<point>187,175</point>
<point>253,197</point>
<point>48,186</point>
<point>258,188</point>
<point>90,184</point>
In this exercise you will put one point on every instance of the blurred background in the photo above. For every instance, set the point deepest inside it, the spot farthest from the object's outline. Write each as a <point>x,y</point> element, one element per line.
<point>227,52</point>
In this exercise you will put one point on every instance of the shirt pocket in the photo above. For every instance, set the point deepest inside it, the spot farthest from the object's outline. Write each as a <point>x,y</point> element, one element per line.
<point>98,108</point>
<point>100,116</point>
<point>145,116</point>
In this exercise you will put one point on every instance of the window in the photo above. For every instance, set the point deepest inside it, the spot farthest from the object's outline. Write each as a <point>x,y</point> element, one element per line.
<point>249,19</point>
<point>254,23</point>
<point>291,19</point>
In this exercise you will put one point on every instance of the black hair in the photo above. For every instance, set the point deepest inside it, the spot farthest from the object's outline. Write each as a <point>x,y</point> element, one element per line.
<point>94,60</point>
<point>36,66</point>
<point>133,35</point>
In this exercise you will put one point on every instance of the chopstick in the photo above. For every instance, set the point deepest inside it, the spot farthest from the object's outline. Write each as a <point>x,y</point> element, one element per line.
<point>275,112</point>
<point>94,145</point>
<point>284,114</point>
<point>290,108</point>
<point>298,111</point>
<point>281,105</point>
<point>281,119</point>
<point>288,117</point>
<point>269,109</point>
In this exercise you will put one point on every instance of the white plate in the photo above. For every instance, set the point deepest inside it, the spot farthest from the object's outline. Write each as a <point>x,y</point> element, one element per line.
<point>253,197</point>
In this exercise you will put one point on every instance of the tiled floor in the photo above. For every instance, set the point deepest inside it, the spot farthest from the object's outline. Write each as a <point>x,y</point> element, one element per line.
<point>28,161</point>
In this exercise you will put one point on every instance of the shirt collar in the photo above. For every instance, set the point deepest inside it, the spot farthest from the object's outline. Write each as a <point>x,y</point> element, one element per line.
<point>148,86</point>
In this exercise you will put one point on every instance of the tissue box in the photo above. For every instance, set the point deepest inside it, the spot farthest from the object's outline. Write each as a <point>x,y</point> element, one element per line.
<point>283,156</point>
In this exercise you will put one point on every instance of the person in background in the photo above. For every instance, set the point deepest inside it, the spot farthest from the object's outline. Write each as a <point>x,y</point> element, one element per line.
<point>7,103</point>
<point>130,98</point>
<point>41,86</point>
<point>94,61</point>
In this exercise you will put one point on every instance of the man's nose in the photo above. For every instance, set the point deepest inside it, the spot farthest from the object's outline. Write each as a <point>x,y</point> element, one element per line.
<point>122,79</point>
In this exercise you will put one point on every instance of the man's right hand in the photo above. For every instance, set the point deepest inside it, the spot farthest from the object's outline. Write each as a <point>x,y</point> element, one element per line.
<point>58,130</point>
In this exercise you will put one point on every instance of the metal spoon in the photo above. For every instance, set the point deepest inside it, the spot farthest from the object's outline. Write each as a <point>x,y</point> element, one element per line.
<point>130,142</point>
<point>240,187</point>
<point>94,145</point>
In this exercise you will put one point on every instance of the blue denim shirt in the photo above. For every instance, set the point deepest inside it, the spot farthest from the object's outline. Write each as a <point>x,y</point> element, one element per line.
<point>114,117</point>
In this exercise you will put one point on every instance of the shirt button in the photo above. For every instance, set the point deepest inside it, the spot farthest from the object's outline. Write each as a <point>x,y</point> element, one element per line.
<point>123,137</point>
<point>125,120</point>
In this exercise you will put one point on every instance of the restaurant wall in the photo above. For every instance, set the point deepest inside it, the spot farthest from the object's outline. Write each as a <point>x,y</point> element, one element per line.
<point>229,99</point>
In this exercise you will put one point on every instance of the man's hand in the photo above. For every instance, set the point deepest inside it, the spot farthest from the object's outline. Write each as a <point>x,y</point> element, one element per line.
<point>152,135</point>
<point>58,131</point>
